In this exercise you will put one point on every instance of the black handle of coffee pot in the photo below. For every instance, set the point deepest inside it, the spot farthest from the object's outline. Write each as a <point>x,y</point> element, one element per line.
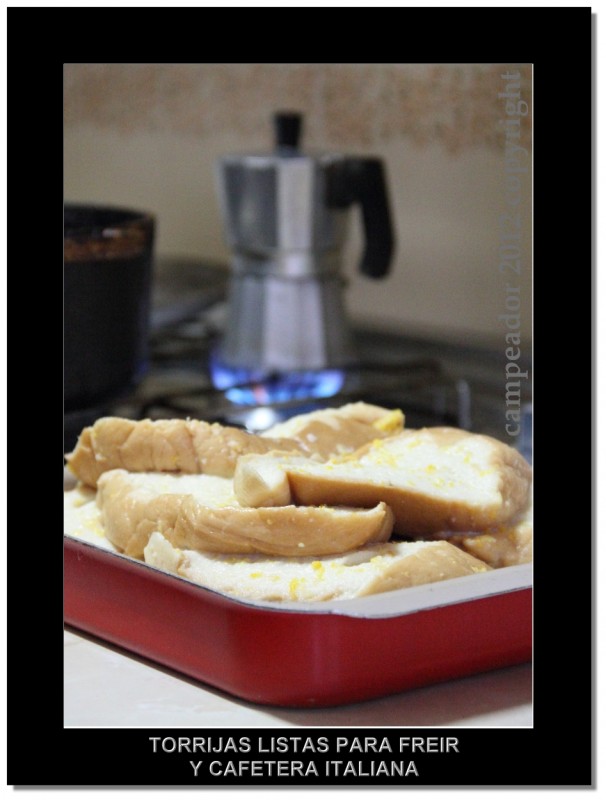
<point>362,180</point>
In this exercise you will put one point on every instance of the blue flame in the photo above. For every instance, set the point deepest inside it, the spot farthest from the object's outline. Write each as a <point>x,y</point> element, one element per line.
<point>251,388</point>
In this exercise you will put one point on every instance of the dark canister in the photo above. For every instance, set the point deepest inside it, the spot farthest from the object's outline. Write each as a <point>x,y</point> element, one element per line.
<point>108,255</point>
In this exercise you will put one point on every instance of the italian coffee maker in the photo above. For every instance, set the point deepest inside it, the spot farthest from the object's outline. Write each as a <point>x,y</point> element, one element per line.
<point>285,216</point>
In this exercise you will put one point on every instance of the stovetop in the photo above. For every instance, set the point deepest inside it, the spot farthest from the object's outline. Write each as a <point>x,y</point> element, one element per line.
<point>433,382</point>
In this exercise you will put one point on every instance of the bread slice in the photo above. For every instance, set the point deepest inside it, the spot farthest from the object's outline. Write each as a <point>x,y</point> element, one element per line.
<point>369,570</point>
<point>364,413</point>
<point>196,447</point>
<point>337,431</point>
<point>505,545</point>
<point>433,479</point>
<point>201,512</point>
<point>172,445</point>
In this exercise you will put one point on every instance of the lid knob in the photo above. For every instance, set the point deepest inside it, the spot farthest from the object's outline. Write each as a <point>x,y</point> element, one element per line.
<point>287,127</point>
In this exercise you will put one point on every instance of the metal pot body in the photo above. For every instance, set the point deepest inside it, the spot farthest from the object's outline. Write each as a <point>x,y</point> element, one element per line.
<point>108,262</point>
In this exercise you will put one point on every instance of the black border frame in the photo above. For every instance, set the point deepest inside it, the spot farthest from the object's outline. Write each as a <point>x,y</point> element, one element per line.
<point>559,750</point>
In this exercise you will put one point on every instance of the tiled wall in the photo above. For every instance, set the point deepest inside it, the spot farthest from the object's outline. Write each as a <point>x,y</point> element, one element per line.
<point>149,135</point>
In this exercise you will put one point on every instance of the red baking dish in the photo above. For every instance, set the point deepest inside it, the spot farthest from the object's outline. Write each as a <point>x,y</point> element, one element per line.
<point>298,654</point>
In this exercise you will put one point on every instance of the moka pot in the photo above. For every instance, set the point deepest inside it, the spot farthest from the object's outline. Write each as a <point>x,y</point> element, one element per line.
<point>285,216</point>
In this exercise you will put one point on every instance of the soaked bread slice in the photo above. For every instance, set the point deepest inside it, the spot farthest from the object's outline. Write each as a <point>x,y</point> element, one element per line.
<point>197,447</point>
<point>337,431</point>
<point>201,512</point>
<point>368,570</point>
<point>172,445</point>
<point>504,545</point>
<point>433,479</point>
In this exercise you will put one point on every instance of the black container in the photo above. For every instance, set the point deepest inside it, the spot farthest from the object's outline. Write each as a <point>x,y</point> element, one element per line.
<point>108,255</point>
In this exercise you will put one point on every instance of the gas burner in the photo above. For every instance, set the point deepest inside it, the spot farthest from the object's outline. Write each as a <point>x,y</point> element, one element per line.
<point>432,382</point>
<point>420,387</point>
<point>247,388</point>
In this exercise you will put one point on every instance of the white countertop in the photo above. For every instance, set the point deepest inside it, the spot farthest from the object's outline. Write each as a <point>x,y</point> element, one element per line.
<point>105,687</point>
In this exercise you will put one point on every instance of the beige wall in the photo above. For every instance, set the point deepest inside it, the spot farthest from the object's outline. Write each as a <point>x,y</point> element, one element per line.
<point>148,135</point>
